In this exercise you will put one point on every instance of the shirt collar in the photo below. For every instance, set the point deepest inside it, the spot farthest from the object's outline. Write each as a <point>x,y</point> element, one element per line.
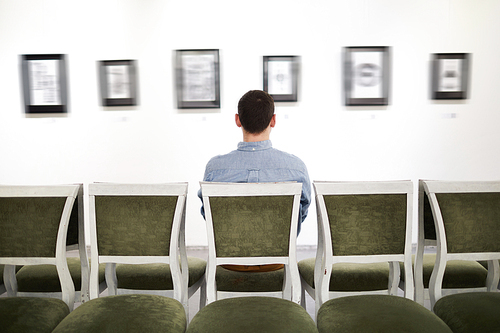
<point>252,146</point>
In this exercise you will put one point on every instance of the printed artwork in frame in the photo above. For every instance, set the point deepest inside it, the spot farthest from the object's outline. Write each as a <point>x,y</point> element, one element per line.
<point>197,79</point>
<point>366,75</point>
<point>450,75</point>
<point>118,81</point>
<point>281,77</point>
<point>44,81</point>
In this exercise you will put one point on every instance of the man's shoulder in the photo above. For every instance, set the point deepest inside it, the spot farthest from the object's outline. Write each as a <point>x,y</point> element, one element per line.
<point>287,156</point>
<point>222,159</point>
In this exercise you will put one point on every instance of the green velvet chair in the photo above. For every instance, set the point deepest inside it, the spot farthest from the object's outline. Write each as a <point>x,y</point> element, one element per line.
<point>137,225</point>
<point>363,233</point>
<point>460,275</point>
<point>42,280</point>
<point>252,224</point>
<point>467,219</point>
<point>367,222</point>
<point>33,229</point>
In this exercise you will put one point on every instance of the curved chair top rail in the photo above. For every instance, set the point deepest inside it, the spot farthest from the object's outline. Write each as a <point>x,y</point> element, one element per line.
<point>27,191</point>
<point>436,186</point>
<point>115,189</point>
<point>362,187</point>
<point>215,189</point>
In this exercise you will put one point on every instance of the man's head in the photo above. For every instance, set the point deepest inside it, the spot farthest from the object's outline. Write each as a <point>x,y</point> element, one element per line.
<point>255,111</point>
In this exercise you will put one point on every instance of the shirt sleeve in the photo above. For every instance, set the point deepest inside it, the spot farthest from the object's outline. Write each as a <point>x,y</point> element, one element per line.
<point>305,198</point>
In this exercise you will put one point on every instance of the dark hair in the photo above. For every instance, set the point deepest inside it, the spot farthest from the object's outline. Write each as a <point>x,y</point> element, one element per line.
<point>255,109</point>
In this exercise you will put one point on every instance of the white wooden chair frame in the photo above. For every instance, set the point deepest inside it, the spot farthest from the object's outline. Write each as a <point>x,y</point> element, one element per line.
<point>324,256</point>
<point>178,270</point>
<point>83,294</point>
<point>9,275</point>
<point>435,284</point>
<point>291,285</point>
<point>422,293</point>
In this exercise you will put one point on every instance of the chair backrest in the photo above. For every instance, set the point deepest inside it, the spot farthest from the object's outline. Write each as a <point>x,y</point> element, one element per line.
<point>251,224</point>
<point>137,224</point>
<point>467,223</point>
<point>33,230</point>
<point>363,222</point>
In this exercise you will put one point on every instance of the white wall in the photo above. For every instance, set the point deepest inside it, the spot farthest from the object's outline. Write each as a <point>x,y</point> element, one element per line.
<point>411,138</point>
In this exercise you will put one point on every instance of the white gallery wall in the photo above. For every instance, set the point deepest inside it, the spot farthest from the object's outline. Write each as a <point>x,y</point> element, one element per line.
<point>413,137</point>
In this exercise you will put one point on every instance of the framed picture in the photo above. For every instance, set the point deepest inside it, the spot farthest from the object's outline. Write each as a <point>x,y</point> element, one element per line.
<point>44,81</point>
<point>281,77</point>
<point>450,75</point>
<point>118,81</point>
<point>197,79</point>
<point>366,75</point>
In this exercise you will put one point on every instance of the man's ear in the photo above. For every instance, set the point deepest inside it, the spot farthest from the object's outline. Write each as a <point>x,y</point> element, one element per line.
<point>273,121</point>
<point>237,120</point>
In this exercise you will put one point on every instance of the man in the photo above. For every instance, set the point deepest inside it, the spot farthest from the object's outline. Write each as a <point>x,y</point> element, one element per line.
<point>255,160</point>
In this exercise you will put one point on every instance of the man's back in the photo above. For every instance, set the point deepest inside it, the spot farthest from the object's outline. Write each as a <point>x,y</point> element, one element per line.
<point>255,162</point>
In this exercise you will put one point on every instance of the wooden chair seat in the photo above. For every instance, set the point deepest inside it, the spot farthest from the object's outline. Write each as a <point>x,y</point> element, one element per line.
<point>234,281</point>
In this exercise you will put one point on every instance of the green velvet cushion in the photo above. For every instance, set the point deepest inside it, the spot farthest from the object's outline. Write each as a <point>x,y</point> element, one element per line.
<point>31,314</point>
<point>134,225</point>
<point>252,314</point>
<point>377,313</point>
<point>28,226</point>
<point>470,312</point>
<point>155,276</point>
<point>228,280</point>
<point>251,226</point>
<point>44,278</point>
<point>471,221</point>
<point>458,273</point>
<point>350,276</point>
<point>126,313</point>
<point>367,224</point>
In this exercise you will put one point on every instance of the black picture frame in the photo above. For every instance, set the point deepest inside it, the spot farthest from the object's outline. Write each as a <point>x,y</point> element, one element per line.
<point>281,76</point>
<point>197,78</point>
<point>44,83</point>
<point>367,71</point>
<point>118,82</point>
<point>450,75</point>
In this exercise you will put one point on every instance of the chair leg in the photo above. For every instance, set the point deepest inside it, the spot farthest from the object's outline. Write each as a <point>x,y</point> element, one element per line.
<point>394,272</point>
<point>9,279</point>
<point>111,280</point>
<point>203,294</point>
<point>303,296</point>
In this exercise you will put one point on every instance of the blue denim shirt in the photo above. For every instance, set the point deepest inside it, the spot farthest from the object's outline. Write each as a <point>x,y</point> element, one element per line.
<point>259,162</point>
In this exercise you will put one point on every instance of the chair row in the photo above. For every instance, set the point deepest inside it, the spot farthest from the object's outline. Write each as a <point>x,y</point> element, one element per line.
<point>358,223</point>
